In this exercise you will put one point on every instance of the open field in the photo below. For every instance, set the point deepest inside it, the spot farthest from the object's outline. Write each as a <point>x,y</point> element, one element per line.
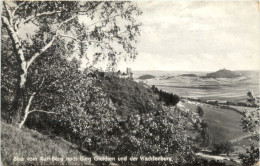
<point>234,89</point>
<point>224,124</point>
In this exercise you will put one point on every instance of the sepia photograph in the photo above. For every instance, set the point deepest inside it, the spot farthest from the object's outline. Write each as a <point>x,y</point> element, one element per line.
<point>130,83</point>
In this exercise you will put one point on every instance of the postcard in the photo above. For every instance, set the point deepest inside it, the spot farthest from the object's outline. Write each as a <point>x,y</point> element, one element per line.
<point>130,83</point>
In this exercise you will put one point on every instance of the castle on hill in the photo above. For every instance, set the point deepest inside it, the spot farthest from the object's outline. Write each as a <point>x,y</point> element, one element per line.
<point>128,73</point>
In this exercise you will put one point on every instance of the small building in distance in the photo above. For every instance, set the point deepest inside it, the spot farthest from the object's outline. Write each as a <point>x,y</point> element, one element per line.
<point>128,73</point>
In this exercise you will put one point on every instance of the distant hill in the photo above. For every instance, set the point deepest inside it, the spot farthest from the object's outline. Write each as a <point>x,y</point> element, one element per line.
<point>147,76</point>
<point>223,73</point>
<point>188,75</point>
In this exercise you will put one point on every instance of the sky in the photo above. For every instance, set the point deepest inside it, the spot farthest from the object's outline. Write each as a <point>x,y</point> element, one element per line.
<point>197,36</point>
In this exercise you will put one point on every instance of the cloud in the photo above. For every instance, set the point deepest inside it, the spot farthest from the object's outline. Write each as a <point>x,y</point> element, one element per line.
<point>198,36</point>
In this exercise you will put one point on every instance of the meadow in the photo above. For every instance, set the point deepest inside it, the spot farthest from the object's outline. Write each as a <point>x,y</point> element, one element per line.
<point>224,124</point>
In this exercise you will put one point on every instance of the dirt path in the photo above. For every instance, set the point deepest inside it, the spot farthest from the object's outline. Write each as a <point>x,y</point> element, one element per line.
<point>240,138</point>
<point>219,158</point>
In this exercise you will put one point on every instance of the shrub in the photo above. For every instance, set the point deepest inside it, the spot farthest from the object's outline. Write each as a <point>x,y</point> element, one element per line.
<point>251,156</point>
<point>223,147</point>
<point>250,123</point>
<point>200,111</point>
<point>167,98</point>
<point>112,116</point>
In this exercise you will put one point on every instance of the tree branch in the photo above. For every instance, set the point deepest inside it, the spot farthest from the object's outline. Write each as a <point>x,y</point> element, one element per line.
<point>104,20</point>
<point>108,18</point>
<point>5,21</point>
<point>9,16</point>
<point>37,54</point>
<point>15,39</point>
<point>37,15</point>
<point>30,18</point>
<point>17,7</point>
<point>68,36</point>
<point>87,41</point>
<point>40,84</point>
<point>44,111</point>
<point>30,101</point>
<point>27,112</point>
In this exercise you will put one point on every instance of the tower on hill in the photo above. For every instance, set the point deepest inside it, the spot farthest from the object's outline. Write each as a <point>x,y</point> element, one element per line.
<point>128,71</point>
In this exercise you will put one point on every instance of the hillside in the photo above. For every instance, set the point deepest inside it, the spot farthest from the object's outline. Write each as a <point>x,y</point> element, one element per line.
<point>125,119</point>
<point>223,73</point>
<point>224,124</point>
<point>30,143</point>
<point>115,117</point>
<point>129,95</point>
<point>145,77</point>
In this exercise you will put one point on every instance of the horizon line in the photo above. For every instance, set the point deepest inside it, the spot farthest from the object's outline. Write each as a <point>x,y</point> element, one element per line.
<point>199,70</point>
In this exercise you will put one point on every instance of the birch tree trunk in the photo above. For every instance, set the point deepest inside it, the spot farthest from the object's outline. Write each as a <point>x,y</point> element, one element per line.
<point>27,110</point>
<point>63,15</point>
<point>15,112</point>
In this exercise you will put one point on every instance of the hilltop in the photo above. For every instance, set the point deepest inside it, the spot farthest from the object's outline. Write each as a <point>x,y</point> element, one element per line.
<point>223,73</point>
<point>147,76</point>
<point>114,117</point>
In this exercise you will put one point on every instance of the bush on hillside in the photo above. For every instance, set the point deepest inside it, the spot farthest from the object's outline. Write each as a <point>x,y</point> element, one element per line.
<point>111,116</point>
<point>250,123</point>
<point>167,98</point>
<point>200,111</point>
<point>108,115</point>
<point>223,147</point>
<point>204,138</point>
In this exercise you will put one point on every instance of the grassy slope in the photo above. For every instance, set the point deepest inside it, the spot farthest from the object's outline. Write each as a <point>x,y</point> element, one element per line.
<point>224,124</point>
<point>29,143</point>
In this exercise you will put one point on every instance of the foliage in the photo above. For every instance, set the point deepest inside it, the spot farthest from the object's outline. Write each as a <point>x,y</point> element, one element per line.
<point>59,20</point>
<point>128,96</point>
<point>250,123</point>
<point>223,123</point>
<point>200,111</point>
<point>8,74</point>
<point>112,116</point>
<point>251,156</point>
<point>204,138</point>
<point>95,31</point>
<point>168,98</point>
<point>109,115</point>
<point>222,147</point>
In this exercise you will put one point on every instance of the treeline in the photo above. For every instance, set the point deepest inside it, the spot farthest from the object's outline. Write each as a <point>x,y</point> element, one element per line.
<point>216,102</point>
<point>168,98</point>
